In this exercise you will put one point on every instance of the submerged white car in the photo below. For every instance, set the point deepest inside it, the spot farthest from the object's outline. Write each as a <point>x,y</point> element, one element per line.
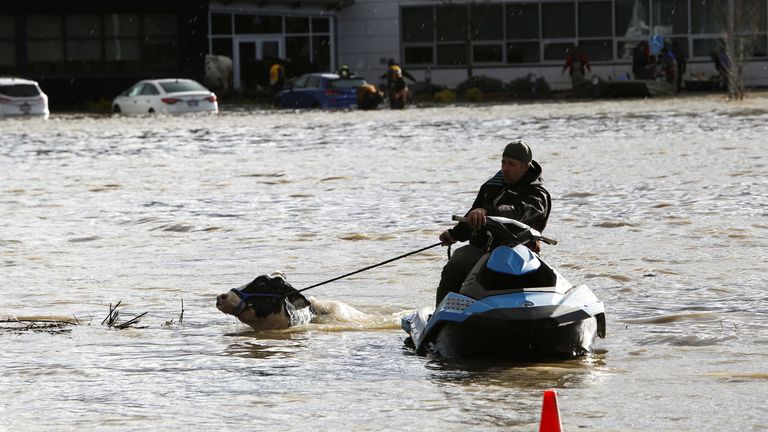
<point>22,97</point>
<point>171,96</point>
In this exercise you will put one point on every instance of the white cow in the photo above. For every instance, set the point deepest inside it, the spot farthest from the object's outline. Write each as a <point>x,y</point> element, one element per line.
<point>218,71</point>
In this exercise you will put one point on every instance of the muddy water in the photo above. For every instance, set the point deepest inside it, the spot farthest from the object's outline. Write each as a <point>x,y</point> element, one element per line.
<point>660,206</point>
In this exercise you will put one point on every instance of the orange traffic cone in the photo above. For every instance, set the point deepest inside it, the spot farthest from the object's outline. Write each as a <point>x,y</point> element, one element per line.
<point>550,413</point>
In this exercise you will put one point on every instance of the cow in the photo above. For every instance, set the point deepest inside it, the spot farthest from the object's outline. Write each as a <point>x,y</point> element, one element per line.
<point>218,72</point>
<point>271,303</point>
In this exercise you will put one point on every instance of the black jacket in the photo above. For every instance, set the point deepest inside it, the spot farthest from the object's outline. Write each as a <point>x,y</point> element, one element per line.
<point>526,201</point>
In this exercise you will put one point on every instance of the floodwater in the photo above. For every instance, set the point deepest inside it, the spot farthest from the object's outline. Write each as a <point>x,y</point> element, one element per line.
<point>659,205</point>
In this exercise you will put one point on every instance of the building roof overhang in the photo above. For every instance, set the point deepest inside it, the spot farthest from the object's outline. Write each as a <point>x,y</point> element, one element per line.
<point>294,4</point>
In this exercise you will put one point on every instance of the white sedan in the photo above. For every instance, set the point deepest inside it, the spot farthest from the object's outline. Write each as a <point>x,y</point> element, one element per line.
<point>171,96</point>
<point>21,97</point>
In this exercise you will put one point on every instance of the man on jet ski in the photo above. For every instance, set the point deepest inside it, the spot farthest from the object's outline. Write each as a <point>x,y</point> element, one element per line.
<point>516,192</point>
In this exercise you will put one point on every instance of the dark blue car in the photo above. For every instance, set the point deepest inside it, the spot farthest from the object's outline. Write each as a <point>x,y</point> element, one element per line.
<point>320,90</point>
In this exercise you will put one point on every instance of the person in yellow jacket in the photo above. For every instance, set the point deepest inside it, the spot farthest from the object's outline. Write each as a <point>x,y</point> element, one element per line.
<point>277,77</point>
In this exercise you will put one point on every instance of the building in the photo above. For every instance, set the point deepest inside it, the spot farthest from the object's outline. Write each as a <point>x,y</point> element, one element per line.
<point>82,50</point>
<point>503,39</point>
<point>86,49</point>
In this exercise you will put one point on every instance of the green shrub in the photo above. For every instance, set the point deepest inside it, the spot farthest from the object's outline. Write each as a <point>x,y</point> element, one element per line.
<point>473,94</point>
<point>482,82</point>
<point>445,96</point>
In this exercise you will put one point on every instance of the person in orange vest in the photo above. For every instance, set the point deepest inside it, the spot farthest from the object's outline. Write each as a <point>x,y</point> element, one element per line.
<point>277,77</point>
<point>394,77</point>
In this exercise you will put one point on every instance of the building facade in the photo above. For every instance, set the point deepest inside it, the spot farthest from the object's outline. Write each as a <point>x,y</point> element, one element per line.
<point>82,50</point>
<point>88,49</point>
<point>512,39</point>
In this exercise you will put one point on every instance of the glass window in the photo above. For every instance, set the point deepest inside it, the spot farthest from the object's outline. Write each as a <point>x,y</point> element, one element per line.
<point>83,50</point>
<point>523,21</point>
<point>44,26</point>
<point>121,25</point>
<point>556,51</point>
<point>45,51</point>
<point>523,52</point>
<point>419,55</point>
<point>297,47</point>
<point>708,17</point>
<point>122,55</point>
<point>451,24</point>
<point>321,25</point>
<point>160,54</point>
<point>321,52</point>
<point>82,26</point>
<point>452,54</point>
<point>221,23</point>
<point>245,24</point>
<point>759,46</point>
<point>296,25</point>
<point>149,89</point>
<point>182,86</point>
<point>750,18</point>
<point>7,56</point>
<point>632,18</point>
<point>558,20</point>
<point>222,46</point>
<point>597,50</point>
<point>313,81</point>
<point>346,83</point>
<point>707,47</point>
<point>19,90</point>
<point>160,25</point>
<point>301,82</point>
<point>487,23</point>
<point>418,24</point>
<point>487,53</point>
<point>595,19</point>
<point>624,49</point>
<point>670,16</point>
<point>7,26</point>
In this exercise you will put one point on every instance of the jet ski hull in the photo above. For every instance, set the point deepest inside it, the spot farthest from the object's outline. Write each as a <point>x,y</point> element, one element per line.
<point>510,325</point>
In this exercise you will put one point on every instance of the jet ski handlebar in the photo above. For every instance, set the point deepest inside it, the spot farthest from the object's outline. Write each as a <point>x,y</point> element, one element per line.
<point>499,225</point>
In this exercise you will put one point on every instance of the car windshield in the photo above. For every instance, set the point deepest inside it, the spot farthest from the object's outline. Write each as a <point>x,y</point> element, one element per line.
<point>347,83</point>
<point>182,86</point>
<point>19,90</point>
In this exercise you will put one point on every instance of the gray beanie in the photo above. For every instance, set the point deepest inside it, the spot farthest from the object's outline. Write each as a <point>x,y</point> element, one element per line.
<point>518,150</point>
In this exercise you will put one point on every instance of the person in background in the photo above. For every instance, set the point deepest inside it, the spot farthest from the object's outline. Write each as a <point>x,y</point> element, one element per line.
<point>722,66</point>
<point>277,76</point>
<point>577,62</point>
<point>516,192</point>
<point>393,73</point>
<point>682,63</point>
<point>668,65</point>
<point>399,91</point>
<point>344,72</point>
<point>643,64</point>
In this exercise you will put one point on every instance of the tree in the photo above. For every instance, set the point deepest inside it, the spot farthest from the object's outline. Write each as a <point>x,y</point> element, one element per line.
<point>469,30</point>
<point>741,23</point>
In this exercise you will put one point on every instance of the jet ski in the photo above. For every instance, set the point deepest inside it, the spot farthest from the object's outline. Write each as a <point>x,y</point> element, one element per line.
<point>511,305</point>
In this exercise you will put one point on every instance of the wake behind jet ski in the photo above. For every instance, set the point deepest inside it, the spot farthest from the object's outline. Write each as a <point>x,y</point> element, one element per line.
<point>511,305</point>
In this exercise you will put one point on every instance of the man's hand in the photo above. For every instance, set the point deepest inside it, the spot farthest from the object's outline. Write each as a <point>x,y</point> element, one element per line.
<point>446,238</point>
<point>476,218</point>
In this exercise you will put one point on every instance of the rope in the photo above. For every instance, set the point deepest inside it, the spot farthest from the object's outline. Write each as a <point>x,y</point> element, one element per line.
<point>373,266</point>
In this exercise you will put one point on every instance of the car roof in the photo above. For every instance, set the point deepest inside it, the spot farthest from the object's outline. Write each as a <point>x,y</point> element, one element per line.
<point>15,80</point>
<point>165,80</point>
<point>324,75</point>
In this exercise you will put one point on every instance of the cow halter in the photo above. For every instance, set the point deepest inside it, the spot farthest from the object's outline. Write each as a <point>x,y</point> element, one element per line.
<point>245,297</point>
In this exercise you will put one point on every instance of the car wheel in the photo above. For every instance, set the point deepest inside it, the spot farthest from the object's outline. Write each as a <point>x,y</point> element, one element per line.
<point>151,111</point>
<point>315,104</point>
<point>116,109</point>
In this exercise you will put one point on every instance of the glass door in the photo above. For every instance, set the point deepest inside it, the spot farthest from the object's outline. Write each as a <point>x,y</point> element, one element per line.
<point>252,59</point>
